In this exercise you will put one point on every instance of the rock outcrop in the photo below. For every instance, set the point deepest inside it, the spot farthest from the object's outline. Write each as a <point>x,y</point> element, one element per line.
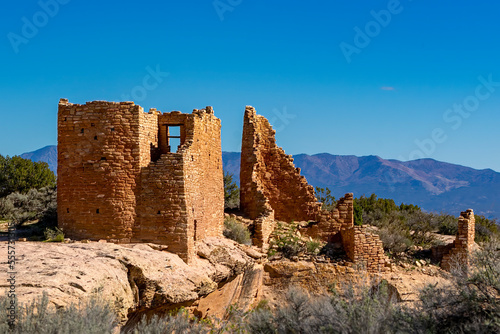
<point>136,278</point>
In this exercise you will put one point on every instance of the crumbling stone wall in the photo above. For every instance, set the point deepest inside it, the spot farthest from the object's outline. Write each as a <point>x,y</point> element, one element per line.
<point>460,249</point>
<point>268,178</point>
<point>364,248</point>
<point>272,188</point>
<point>328,223</point>
<point>143,190</point>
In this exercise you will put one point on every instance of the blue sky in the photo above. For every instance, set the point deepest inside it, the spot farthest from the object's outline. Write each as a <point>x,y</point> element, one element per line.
<point>343,77</point>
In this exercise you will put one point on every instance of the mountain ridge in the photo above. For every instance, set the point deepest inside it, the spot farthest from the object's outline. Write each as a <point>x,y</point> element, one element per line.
<point>433,185</point>
<point>46,154</point>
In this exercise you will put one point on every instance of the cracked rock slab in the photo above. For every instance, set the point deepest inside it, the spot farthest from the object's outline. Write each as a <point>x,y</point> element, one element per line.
<point>132,277</point>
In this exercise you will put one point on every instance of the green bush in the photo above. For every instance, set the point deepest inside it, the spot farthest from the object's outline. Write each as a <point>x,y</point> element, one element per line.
<point>313,246</point>
<point>447,224</point>
<point>286,241</point>
<point>21,175</point>
<point>394,239</point>
<point>231,192</point>
<point>237,231</point>
<point>34,205</point>
<point>358,213</point>
<point>54,235</point>
<point>93,316</point>
<point>324,195</point>
<point>485,228</point>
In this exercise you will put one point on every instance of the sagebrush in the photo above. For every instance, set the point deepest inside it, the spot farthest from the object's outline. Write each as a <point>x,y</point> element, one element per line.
<point>237,231</point>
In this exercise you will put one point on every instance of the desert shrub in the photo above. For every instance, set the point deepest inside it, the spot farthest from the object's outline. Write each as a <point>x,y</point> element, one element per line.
<point>369,311</point>
<point>54,235</point>
<point>400,227</point>
<point>93,316</point>
<point>34,205</point>
<point>286,241</point>
<point>394,239</point>
<point>313,246</point>
<point>421,226</point>
<point>471,304</point>
<point>447,224</point>
<point>237,231</point>
<point>180,322</point>
<point>358,214</point>
<point>483,234</point>
<point>231,192</point>
<point>324,195</point>
<point>485,228</point>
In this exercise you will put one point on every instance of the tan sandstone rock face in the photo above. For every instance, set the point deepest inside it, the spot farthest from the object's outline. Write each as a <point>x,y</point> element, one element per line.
<point>320,278</point>
<point>134,278</point>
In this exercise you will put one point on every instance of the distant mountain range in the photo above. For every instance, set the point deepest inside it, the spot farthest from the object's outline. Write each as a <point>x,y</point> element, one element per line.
<point>433,185</point>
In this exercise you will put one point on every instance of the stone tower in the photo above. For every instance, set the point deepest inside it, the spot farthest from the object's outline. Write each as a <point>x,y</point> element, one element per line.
<point>129,176</point>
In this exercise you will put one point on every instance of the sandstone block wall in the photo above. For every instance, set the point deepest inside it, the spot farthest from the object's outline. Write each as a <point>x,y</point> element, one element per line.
<point>263,228</point>
<point>270,185</point>
<point>364,248</point>
<point>268,177</point>
<point>98,168</point>
<point>119,178</point>
<point>460,250</point>
<point>328,223</point>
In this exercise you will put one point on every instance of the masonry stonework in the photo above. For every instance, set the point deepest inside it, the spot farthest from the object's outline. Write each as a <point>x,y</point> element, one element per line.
<point>364,248</point>
<point>121,179</point>
<point>271,187</point>
<point>459,251</point>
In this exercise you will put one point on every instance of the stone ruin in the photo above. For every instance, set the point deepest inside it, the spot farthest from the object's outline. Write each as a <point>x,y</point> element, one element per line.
<point>458,252</point>
<point>271,188</point>
<point>129,176</point>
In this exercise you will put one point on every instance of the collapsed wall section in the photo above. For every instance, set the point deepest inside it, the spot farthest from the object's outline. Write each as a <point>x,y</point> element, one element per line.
<point>268,178</point>
<point>329,223</point>
<point>272,188</point>
<point>98,164</point>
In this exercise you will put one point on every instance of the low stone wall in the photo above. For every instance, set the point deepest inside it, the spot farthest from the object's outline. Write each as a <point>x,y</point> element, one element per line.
<point>263,228</point>
<point>328,223</point>
<point>364,248</point>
